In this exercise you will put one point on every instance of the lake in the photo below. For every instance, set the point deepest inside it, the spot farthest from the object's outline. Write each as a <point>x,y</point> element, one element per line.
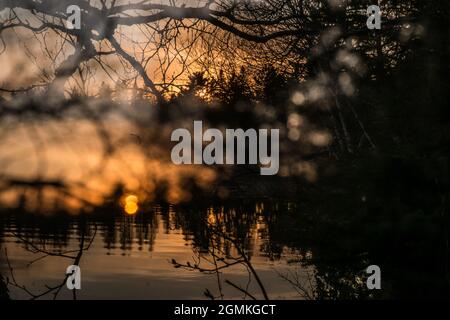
<point>131,255</point>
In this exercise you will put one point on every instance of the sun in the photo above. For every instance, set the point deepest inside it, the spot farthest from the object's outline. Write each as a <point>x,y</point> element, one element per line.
<point>131,204</point>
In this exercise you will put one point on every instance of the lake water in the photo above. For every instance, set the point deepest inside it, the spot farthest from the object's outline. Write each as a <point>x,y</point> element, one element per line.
<point>131,256</point>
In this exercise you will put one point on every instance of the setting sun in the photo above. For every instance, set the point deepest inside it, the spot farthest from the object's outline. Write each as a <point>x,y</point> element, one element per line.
<point>131,204</point>
<point>131,198</point>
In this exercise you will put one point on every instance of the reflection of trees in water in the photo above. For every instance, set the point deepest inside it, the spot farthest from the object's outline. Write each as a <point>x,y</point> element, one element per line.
<point>225,237</point>
<point>236,219</point>
<point>57,231</point>
<point>74,255</point>
<point>119,230</point>
<point>332,242</point>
